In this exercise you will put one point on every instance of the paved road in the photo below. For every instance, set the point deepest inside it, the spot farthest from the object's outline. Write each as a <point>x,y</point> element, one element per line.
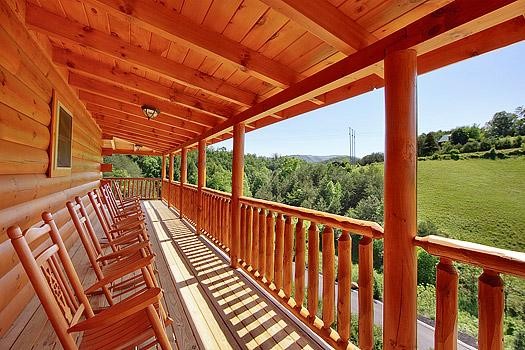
<point>425,333</point>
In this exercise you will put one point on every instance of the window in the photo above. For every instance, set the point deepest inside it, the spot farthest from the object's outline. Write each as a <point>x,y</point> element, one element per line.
<point>61,139</point>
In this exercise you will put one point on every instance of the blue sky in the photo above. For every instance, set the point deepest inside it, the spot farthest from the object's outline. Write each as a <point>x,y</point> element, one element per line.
<point>465,93</point>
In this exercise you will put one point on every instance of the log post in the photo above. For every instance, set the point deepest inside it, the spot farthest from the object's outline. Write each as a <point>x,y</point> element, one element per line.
<point>201,183</point>
<point>490,311</point>
<point>163,176</point>
<point>446,306</point>
<point>170,178</point>
<point>183,176</point>
<point>366,293</point>
<point>400,264</point>
<point>237,181</point>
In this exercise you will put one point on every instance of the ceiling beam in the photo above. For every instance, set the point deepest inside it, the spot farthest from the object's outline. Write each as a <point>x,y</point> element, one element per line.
<point>114,75</point>
<point>41,20</point>
<point>434,24</point>
<point>183,117</point>
<point>123,114</point>
<point>325,21</point>
<point>162,20</point>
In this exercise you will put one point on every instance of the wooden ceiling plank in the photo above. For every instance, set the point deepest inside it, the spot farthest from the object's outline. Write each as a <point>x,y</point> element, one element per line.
<point>175,27</point>
<point>434,24</point>
<point>136,140</point>
<point>124,113</point>
<point>135,137</point>
<point>127,126</point>
<point>191,120</point>
<point>114,75</point>
<point>59,27</point>
<point>506,33</point>
<point>132,120</point>
<point>326,22</point>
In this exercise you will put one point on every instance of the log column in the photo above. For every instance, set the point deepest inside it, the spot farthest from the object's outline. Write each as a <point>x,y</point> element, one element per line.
<point>201,183</point>
<point>237,179</point>
<point>162,177</point>
<point>183,175</point>
<point>400,264</point>
<point>170,178</point>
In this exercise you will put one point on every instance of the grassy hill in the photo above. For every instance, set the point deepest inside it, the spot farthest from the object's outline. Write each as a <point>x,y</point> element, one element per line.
<point>477,200</point>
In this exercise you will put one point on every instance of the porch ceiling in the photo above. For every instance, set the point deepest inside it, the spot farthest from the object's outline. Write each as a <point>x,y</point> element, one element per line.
<point>210,64</point>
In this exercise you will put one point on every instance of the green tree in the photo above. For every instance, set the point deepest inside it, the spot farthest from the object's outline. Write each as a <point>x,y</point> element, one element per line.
<point>459,136</point>
<point>430,145</point>
<point>502,124</point>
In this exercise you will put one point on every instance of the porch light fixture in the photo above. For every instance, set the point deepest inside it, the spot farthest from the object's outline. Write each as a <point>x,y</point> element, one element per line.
<point>150,111</point>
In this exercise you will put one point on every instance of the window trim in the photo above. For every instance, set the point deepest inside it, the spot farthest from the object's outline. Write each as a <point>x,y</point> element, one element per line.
<point>54,169</point>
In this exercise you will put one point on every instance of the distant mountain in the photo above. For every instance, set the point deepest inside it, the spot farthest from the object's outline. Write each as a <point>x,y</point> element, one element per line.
<point>320,159</point>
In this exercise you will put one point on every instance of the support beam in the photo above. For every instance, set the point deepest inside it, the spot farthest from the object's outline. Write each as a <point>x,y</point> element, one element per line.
<point>183,176</point>
<point>159,19</point>
<point>325,21</point>
<point>445,19</point>
<point>114,75</point>
<point>163,168</point>
<point>170,178</point>
<point>400,264</point>
<point>201,183</point>
<point>237,191</point>
<point>43,21</point>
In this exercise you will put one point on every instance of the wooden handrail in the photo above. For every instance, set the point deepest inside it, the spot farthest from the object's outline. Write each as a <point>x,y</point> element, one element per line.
<point>220,193</point>
<point>131,178</point>
<point>365,228</point>
<point>495,259</point>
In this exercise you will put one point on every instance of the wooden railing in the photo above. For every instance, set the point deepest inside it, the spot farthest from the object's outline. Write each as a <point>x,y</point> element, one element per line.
<point>143,188</point>
<point>291,251</point>
<point>303,258</point>
<point>494,262</point>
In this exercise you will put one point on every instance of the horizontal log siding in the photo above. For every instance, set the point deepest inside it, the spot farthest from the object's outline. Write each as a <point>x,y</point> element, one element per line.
<point>27,80</point>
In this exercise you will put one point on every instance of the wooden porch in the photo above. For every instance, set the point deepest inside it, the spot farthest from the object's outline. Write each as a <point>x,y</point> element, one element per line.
<point>213,305</point>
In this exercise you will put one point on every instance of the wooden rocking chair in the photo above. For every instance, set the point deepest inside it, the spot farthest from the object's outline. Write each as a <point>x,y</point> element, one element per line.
<point>135,257</point>
<point>117,231</point>
<point>131,323</point>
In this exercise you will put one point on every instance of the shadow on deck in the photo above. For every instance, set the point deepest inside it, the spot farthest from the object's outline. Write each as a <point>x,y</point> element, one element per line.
<point>214,306</point>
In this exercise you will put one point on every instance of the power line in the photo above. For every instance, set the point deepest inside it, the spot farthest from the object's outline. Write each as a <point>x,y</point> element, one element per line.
<point>351,134</point>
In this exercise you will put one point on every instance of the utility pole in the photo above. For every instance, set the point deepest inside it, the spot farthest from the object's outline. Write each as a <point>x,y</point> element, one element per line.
<point>351,133</point>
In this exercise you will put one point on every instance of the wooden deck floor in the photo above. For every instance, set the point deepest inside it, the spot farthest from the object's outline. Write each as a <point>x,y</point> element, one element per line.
<point>213,306</point>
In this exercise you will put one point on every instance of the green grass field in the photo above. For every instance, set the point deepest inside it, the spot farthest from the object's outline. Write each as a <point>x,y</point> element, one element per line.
<point>476,200</point>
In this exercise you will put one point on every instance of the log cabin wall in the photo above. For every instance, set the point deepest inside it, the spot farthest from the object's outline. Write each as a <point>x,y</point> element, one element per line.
<point>27,80</point>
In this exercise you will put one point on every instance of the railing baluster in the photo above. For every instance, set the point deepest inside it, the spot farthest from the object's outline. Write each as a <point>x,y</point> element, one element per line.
<point>262,242</point>
<point>270,246</point>
<point>279,252</point>
<point>313,270</point>
<point>242,250</point>
<point>366,296</point>
<point>328,276</point>
<point>446,334</point>
<point>300,252</point>
<point>288,256</point>
<point>249,233</point>
<point>491,311</point>
<point>255,240</point>
<point>344,286</point>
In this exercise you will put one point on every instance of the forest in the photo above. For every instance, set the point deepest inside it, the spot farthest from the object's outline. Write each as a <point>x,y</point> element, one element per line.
<point>357,191</point>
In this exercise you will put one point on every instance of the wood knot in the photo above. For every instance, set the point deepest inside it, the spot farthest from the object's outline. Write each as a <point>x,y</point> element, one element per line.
<point>126,8</point>
<point>87,29</point>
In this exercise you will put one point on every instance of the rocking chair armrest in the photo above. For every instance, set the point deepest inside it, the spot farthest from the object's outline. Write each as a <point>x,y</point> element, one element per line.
<point>127,237</point>
<point>129,213</point>
<point>126,251</point>
<point>128,222</point>
<point>112,277</point>
<point>119,311</point>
